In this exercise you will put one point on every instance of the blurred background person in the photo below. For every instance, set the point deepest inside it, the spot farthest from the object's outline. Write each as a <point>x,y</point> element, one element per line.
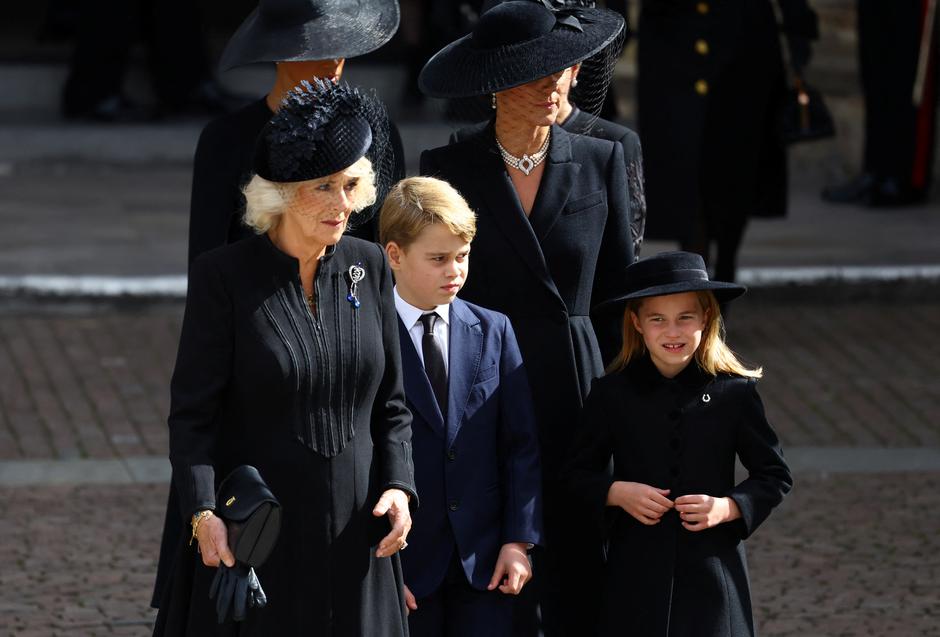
<point>711,82</point>
<point>897,54</point>
<point>172,31</point>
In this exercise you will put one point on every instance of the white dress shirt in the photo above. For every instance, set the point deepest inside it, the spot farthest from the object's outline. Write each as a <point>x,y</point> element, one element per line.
<point>411,317</point>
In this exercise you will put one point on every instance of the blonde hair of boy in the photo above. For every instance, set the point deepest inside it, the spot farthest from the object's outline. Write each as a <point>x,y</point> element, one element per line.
<point>712,355</point>
<point>415,203</point>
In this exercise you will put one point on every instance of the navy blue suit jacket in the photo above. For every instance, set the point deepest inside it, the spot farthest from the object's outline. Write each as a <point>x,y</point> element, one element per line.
<point>478,473</point>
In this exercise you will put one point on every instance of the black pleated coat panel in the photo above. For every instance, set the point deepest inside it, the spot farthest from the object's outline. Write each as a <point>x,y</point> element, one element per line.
<point>546,272</point>
<point>710,85</point>
<point>681,434</point>
<point>314,400</point>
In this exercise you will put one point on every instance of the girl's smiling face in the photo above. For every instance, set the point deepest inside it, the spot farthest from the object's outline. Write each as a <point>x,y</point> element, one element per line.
<point>671,327</point>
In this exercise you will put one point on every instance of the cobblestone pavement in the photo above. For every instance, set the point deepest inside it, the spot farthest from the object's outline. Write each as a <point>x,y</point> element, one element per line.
<point>846,555</point>
<point>96,385</point>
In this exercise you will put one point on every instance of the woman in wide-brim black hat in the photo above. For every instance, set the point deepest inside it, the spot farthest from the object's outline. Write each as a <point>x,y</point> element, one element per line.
<point>554,229</point>
<point>288,361</point>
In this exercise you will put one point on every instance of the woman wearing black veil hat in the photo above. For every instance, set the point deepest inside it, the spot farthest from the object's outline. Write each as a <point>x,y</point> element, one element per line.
<point>553,228</point>
<point>289,362</point>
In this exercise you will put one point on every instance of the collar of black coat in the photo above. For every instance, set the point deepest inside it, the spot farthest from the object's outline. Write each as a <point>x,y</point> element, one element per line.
<point>290,261</point>
<point>559,147</point>
<point>642,370</point>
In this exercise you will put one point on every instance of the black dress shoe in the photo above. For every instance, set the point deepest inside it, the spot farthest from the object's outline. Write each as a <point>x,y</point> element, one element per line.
<point>867,190</point>
<point>209,98</point>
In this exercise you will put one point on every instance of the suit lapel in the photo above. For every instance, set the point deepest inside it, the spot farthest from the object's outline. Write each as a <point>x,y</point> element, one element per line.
<point>465,352</point>
<point>418,390</point>
<point>503,206</point>
<point>557,181</point>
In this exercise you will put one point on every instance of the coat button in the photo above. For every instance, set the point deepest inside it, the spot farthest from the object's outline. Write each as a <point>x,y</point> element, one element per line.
<point>701,87</point>
<point>702,8</point>
<point>674,471</point>
<point>701,47</point>
<point>674,443</point>
<point>451,454</point>
<point>454,505</point>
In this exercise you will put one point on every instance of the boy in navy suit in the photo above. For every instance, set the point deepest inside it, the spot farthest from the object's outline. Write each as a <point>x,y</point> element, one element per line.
<point>474,435</point>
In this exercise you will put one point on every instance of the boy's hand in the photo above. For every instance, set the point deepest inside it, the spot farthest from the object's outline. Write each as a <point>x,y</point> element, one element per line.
<point>645,503</point>
<point>700,512</point>
<point>410,602</point>
<point>512,566</point>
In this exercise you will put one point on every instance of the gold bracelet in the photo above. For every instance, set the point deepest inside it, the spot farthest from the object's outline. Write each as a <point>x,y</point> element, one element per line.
<point>197,520</point>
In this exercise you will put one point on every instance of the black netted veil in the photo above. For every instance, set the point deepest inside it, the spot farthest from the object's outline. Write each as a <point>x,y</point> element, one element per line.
<point>322,128</point>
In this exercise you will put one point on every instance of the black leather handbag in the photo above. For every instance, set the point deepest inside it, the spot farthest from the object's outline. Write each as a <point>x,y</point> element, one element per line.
<point>805,116</point>
<point>252,517</point>
<point>251,513</point>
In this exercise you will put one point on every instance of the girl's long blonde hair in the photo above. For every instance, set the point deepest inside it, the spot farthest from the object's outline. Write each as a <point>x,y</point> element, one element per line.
<point>712,355</point>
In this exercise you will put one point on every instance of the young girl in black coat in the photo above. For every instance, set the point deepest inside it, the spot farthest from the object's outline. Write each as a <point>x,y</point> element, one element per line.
<point>674,410</point>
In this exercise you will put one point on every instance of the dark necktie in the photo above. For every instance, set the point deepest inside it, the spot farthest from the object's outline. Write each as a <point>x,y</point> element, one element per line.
<point>434,361</point>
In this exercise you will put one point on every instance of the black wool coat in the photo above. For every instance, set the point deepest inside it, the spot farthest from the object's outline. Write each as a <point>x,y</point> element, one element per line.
<point>580,123</point>
<point>680,434</point>
<point>315,402</point>
<point>710,85</point>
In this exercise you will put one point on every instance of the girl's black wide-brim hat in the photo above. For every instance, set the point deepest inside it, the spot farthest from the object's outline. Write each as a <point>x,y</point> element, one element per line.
<point>517,42</point>
<point>304,30</point>
<point>669,273</point>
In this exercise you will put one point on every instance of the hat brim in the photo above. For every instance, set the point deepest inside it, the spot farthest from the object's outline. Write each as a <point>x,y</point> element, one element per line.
<point>329,36</point>
<point>462,70</point>
<point>724,292</point>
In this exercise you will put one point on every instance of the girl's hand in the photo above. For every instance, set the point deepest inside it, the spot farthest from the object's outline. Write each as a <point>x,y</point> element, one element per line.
<point>645,503</point>
<point>513,569</point>
<point>394,503</point>
<point>700,512</point>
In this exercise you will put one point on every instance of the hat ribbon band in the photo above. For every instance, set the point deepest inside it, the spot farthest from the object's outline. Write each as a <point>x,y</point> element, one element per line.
<point>672,276</point>
<point>570,18</point>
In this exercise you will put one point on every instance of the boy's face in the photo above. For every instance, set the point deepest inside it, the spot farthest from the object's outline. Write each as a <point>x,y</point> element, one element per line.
<point>431,270</point>
<point>671,327</point>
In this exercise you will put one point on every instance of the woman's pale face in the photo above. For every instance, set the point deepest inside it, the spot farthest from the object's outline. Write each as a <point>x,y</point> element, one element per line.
<point>320,208</point>
<point>535,103</point>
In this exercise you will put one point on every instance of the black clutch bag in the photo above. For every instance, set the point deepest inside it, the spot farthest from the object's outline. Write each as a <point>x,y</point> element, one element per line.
<point>805,116</point>
<point>251,513</point>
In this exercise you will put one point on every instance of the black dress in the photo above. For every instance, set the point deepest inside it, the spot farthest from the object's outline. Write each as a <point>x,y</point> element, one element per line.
<point>315,402</point>
<point>546,272</point>
<point>680,434</point>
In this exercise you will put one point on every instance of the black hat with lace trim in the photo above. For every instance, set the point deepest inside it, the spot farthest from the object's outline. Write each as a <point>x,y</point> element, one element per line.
<point>517,42</point>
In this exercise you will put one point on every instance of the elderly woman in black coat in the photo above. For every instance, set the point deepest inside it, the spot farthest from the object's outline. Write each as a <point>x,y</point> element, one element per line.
<point>553,227</point>
<point>289,361</point>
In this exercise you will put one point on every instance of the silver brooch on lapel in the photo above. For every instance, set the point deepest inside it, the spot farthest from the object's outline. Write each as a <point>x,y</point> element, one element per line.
<point>356,274</point>
<point>706,398</point>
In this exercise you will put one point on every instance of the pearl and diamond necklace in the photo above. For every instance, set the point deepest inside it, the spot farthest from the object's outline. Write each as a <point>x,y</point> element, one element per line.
<point>527,163</point>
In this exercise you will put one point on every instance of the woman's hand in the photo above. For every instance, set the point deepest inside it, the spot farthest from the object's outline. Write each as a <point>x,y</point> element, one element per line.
<point>410,602</point>
<point>213,542</point>
<point>700,512</point>
<point>645,503</point>
<point>512,570</point>
<point>393,502</point>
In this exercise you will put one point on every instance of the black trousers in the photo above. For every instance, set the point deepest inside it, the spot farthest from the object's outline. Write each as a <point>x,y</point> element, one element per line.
<point>456,609</point>
<point>107,29</point>
<point>898,135</point>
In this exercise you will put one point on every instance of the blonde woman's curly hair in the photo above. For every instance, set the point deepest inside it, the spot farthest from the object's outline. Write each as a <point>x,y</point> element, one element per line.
<point>266,200</point>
